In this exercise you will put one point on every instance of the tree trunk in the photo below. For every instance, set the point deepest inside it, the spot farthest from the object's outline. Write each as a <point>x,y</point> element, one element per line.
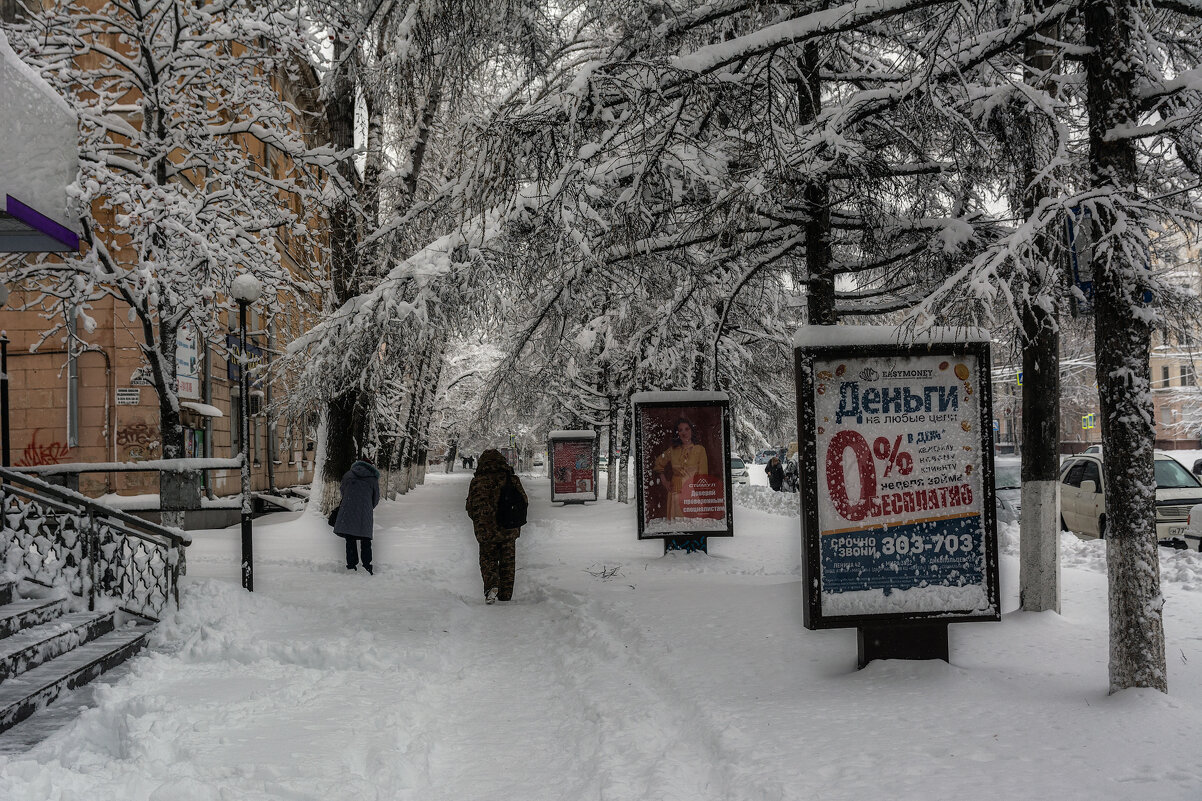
<point>412,424</point>
<point>343,242</point>
<point>820,278</point>
<point>177,491</point>
<point>1122,347</point>
<point>1039,535</point>
<point>1039,540</point>
<point>340,447</point>
<point>428,419</point>
<point>611,464</point>
<point>626,427</point>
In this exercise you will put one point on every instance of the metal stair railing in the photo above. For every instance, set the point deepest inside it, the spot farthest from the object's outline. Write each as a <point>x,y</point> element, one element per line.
<point>59,538</point>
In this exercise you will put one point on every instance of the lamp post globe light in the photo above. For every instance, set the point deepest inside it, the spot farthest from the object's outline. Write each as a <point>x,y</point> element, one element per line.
<point>245,289</point>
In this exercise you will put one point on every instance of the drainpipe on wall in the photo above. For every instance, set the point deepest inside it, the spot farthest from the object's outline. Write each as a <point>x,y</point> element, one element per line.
<point>208,396</point>
<point>268,414</point>
<point>72,385</point>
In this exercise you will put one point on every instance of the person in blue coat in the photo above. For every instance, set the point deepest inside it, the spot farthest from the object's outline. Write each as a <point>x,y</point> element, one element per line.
<point>360,494</point>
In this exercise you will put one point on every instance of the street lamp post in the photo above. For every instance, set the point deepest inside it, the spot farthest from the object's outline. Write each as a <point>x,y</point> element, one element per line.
<point>245,290</point>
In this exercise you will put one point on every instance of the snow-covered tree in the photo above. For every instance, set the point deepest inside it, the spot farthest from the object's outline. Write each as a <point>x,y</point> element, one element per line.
<point>193,167</point>
<point>416,70</point>
<point>1122,166</point>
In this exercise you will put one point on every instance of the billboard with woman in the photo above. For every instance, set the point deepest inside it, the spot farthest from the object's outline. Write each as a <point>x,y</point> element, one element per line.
<point>682,443</point>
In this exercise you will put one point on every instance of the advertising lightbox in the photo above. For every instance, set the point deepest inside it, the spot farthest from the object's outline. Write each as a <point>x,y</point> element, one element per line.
<point>896,466</point>
<point>682,447</point>
<point>511,457</point>
<point>573,469</point>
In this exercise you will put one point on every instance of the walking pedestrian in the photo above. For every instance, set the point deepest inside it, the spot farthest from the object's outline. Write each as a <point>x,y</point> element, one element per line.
<point>776,473</point>
<point>792,479</point>
<point>498,546</point>
<point>354,523</point>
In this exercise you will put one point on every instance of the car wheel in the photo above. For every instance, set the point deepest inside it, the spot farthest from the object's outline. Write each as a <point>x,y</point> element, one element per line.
<point>1101,528</point>
<point>1063,525</point>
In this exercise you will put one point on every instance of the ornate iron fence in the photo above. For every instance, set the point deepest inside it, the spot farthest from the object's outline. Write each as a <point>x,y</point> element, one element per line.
<point>59,538</point>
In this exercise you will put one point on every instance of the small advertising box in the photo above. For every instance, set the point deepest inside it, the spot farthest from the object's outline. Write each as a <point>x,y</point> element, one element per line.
<point>898,520</point>
<point>682,447</point>
<point>511,457</point>
<point>573,468</point>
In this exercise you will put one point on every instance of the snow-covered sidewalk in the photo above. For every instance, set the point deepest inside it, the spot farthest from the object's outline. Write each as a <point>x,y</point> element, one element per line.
<point>616,673</point>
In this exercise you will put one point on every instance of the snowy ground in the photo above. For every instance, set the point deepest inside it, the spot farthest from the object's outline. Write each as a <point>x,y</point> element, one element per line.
<point>616,673</point>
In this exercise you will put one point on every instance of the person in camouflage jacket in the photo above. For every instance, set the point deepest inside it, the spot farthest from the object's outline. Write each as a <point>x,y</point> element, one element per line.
<point>498,547</point>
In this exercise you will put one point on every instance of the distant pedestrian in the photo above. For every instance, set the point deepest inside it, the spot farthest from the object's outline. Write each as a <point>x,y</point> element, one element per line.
<point>498,546</point>
<point>354,523</point>
<point>776,474</point>
<point>792,479</point>
<point>471,462</point>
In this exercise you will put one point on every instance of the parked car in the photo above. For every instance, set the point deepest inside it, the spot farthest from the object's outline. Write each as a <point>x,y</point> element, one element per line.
<point>765,456</point>
<point>1007,488</point>
<point>1193,527</point>
<point>738,471</point>
<point>1093,449</point>
<point>1083,497</point>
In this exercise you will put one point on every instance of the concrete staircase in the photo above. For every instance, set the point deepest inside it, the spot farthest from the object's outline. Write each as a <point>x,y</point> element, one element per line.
<point>47,650</point>
<point>92,580</point>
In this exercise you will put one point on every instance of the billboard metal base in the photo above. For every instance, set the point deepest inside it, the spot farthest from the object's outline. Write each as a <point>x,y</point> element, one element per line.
<point>909,641</point>
<point>686,544</point>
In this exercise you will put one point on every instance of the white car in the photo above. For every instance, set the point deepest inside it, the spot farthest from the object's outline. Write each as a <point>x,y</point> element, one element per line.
<point>1193,527</point>
<point>1083,496</point>
<point>739,473</point>
<point>1007,488</point>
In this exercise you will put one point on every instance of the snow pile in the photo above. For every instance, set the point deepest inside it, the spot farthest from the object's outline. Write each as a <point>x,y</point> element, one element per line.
<point>1183,569</point>
<point>766,499</point>
<point>617,672</point>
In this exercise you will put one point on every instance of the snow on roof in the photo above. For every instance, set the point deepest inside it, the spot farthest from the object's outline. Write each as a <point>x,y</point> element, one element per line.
<point>674,396</point>
<point>827,336</point>
<point>566,434</point>
<point>39,159</point>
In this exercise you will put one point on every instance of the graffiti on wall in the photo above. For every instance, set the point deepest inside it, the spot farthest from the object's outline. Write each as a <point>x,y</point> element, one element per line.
<point>35,454</point>
<point>138,440</point>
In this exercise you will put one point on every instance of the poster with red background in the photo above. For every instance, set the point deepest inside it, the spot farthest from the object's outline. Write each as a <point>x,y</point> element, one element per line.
<point>573,473</point>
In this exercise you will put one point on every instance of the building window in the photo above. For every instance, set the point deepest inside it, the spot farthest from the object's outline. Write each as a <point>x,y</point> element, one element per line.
<point>1187,375</point>
<point>1165,379</point>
